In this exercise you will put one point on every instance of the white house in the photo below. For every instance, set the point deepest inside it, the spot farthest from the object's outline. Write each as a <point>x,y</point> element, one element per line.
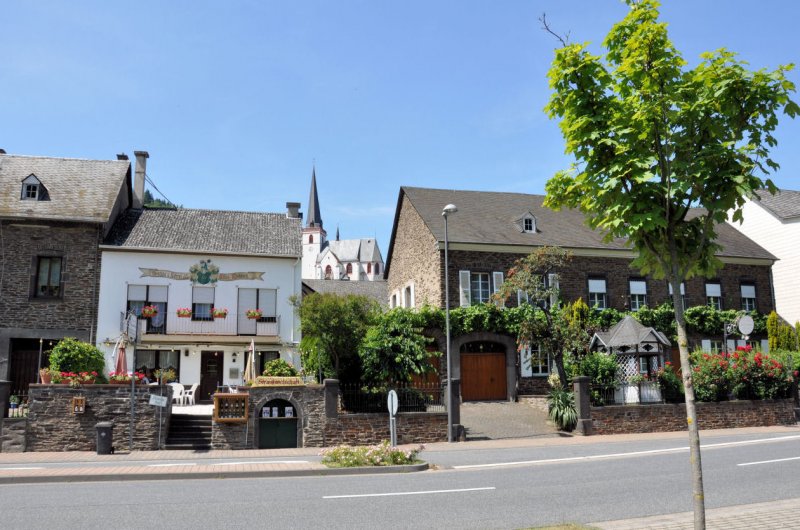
<point>774,222</point>
<point>202,271</point>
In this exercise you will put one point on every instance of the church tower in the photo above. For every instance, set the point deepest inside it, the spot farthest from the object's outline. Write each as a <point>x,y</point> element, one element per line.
<point>314,236</point>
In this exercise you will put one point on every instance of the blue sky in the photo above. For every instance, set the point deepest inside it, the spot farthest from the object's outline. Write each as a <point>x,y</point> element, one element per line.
<point>235,100</point>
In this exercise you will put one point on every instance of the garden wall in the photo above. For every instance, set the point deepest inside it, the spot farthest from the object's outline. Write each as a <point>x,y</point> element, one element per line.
<point>12,435</point>
<point>626,419</point>
<point>52,425</point>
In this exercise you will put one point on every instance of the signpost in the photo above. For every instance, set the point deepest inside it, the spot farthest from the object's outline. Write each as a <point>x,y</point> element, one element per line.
<point>391,403</point>
<point>158,401</point>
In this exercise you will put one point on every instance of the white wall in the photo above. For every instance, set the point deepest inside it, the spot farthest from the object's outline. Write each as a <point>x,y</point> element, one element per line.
<point>783,240</point>
<point>120,269</point>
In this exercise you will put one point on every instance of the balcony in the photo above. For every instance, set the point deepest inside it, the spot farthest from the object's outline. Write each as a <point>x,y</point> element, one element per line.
<point>232,325</point>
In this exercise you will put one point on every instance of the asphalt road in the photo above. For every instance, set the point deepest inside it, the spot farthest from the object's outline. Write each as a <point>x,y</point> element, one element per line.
<point>513,488</point>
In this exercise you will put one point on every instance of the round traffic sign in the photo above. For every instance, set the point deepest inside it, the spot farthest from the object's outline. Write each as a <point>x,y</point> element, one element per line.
<point>391,402</point>
<point>746,324</point>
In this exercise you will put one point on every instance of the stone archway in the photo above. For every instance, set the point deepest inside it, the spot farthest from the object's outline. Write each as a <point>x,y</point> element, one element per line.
<point>282,396</point>
<point>505,349</point>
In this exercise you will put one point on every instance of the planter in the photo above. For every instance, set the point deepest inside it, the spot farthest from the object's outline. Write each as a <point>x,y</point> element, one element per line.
<point>44,374</point>
<point>184,316</point>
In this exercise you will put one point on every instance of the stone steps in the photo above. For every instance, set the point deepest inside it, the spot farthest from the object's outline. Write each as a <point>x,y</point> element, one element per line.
<point>188,431</point>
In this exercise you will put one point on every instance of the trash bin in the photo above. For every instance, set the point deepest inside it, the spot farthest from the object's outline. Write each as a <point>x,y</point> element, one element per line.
<point>104,437</point>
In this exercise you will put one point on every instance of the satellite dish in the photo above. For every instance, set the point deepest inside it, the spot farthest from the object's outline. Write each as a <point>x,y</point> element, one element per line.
<point>746,325</point>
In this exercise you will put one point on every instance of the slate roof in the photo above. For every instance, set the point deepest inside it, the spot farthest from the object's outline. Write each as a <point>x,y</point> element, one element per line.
<point>361,250</point>
<point>784,205</point>
<point>629,332</point>
<point>376,290</point>
<point>209,231</point>
<point>78,189</point>
<point>486,217</point>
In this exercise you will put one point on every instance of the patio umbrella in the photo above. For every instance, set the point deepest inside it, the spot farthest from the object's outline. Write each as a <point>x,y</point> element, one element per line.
<point>249,370</point>
<point>122,362</point>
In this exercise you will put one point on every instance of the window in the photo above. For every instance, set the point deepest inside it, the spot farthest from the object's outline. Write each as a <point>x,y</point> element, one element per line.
<point>349,269</point>
<point>310,238</point>
<point>716,345</point>
<point>597,293</point>
<point>528,224</point>
<point>328,272</point>
<point>377,268</point>
<point>408,296</point>
<point>394,301</point>
<point>534,362</point>
<point>714,295</point>
<point>748,296</point>
<point>202,302</point>
<point>369,268</point>
<point>31,191</point>
<point>522,297</point>
<point>48,277</point>
<point>479,287</point>
<point>156,359</point>
<point>638,294</point>
<point>683,294</point>
<point>155,295</point>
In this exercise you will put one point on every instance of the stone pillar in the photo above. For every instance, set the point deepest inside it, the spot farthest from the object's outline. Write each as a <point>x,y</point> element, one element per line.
<point>455,407</point>
<point>582,405</point>
<point>5,388</point>
<point>331,398</point>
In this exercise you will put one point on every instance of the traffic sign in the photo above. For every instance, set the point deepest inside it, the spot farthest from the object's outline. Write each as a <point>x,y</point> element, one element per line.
<point>392,402</point>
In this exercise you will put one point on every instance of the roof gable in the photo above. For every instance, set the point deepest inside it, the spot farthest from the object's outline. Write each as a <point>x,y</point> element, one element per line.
<point>784,205</point>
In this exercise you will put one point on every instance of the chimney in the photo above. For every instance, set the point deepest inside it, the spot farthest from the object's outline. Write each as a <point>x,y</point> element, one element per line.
<point>293,210</point>
<point>138,181</point>
<point>122,156</point>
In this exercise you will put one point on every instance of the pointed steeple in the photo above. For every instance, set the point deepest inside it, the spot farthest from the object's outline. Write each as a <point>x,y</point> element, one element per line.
<point>337,232</point>
<point>314,217</point>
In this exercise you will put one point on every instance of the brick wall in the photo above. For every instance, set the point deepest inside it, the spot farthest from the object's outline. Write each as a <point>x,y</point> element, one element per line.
<point>415,257</point>
<point>625,419</point>
<point>78,245</point>
<point>53,427</point>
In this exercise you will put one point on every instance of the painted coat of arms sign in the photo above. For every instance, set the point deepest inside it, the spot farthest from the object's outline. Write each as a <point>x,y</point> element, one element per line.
<point>203,272</point>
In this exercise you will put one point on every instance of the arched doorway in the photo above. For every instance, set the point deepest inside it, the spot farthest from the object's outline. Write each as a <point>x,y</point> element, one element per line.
<point>277,425</point>
<point>483,371</point>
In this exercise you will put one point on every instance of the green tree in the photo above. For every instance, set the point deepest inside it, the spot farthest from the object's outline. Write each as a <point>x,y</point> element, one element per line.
<point>72,355</point>
<point>337,325</point>
<point>394,348</point>
<point>652,139</point>
<point>773,327</point>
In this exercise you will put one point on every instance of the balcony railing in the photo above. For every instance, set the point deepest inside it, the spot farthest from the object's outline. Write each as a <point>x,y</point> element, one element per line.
<point>233,324</point>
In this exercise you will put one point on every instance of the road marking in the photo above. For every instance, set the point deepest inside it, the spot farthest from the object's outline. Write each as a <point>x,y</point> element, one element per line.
<point>261,462</point>
<point>632,453</point>
<point>400,493</point>
<point>171,465</point>
<point>19,468</point>
<point>769,461</point>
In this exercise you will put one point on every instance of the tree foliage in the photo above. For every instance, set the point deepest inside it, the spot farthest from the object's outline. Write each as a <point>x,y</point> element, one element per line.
<point>335,326</point>
<point>72,355</point>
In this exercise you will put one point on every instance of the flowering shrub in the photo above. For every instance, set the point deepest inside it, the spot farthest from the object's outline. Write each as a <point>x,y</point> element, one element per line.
<point>744,374</point>
<point>149,311</point>
<point>74,379</point>
<point>123,377</point>
<point>375,455</point>
<point>670,383</point>
<point>254,313</point>
<point>184,312</point>
<point>165,374</point>
<point>219,312</point>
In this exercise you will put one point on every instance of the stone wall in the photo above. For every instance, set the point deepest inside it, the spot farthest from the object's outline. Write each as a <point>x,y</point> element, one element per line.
<point>625,419</point>
<point>52,426</point>
<point>12,435</point>
<point>318,428</point>
<point>533,385</point>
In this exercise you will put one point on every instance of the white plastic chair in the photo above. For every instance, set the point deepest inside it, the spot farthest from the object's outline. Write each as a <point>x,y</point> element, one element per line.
<point>188,395</point>
<point>178,393</point>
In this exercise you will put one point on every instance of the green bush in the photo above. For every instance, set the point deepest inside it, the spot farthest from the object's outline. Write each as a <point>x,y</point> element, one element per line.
<point>744,374</point>
<point>601,368</point>
<point>279,368</point>
<point>670,383</point>
<point>376,455</point>
<point>72,355</point>
<point>561,409</point>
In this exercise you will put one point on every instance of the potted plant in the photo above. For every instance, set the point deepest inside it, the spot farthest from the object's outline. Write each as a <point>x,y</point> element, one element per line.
<point>13,402</point>
<point>44,375</point>
<point>254,314</point>
<point>122,378</point>
<point>184,312</point>
<point>149,311</point>
<point>165,375</point>
<point>219,312</point>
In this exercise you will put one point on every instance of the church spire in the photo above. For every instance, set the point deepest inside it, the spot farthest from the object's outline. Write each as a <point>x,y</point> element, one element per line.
<point>337,232</point>
<point>314,217</point>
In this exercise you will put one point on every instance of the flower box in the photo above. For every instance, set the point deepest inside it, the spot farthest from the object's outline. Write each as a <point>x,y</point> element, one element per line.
<point>219,312</point>
<point>149,311</point>
<point>254,314</point>
<point>184,312</point>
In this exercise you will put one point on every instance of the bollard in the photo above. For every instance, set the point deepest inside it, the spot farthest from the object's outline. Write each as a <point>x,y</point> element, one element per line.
<point>105,438</point>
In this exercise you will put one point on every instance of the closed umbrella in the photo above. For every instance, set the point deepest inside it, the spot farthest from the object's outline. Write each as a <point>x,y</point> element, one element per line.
<point>122,362</point>
<point>249,370</point>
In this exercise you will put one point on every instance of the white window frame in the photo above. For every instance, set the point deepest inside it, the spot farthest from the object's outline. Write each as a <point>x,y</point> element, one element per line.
<point>683,294</point>
<point>596,296</point>
<point>714,295</point>
<point>748,302</point>
<point>477,296</point>
<point>638,290</point>
<point>543,366</point>
<point>528,225</point>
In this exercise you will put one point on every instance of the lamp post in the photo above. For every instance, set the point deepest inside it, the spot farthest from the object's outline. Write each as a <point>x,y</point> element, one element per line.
<point>449,209</point>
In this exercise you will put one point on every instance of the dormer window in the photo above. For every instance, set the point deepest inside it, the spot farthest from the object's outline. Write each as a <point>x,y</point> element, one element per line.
<point>527,223</point>
<point>33,190</point>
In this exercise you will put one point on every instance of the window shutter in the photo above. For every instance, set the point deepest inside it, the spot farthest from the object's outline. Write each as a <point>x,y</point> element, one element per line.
<point>638,287</point>
<point>712,289</point>
<point>158,293</point>
<point>137,293</point>
<point>200,295</point>
<point>267,301</point>
<point>741,343</point>
<point>552,281</point>
<point>764,346</point>
<point>731,345</point>
<point>706,344</point>
<point>748,291</point>
<point>497,281</point>
<point>463,288</point>
<point>525,368</point>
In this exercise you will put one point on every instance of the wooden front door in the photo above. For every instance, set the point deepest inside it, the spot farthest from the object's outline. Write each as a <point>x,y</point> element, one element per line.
<point>24,360</point>
<point>483,376</point>
<point>210,373</point>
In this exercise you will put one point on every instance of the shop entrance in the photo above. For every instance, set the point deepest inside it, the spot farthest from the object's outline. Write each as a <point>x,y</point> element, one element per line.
<point>277,425</point>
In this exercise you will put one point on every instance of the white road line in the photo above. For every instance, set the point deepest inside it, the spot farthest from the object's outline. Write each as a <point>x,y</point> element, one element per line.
<point>632,453</point>
<point>400,493</point>
<point>171,465</point>
<point>18,468</point>
<point>261,462</point>
<point>769,461</point>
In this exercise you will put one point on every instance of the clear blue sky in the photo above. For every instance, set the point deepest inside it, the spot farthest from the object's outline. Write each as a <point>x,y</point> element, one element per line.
<point>234,100</point>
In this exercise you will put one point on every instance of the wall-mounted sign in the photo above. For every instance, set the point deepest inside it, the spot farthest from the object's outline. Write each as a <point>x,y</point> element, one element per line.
<point>204,272</point>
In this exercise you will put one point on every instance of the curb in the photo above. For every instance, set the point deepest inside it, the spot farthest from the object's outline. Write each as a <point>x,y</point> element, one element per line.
<point>283,473</point>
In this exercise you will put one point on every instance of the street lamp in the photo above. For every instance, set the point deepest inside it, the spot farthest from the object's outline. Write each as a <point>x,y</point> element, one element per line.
<point>449,209</point>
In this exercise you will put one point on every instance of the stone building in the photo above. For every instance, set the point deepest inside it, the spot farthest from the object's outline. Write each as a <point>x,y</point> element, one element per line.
<point>491,230</point>
<point>54,213</point>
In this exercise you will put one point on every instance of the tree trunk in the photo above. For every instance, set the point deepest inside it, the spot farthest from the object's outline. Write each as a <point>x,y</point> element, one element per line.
<point>691,413</point>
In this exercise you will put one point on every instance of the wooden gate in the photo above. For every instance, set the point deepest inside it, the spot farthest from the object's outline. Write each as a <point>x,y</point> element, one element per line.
<point>483,376</point>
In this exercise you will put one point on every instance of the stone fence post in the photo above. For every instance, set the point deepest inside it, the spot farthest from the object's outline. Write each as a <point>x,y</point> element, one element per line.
<point>582,405</point>
<point>5,387</point>
<point>455,408</point>
<point>331,398</point>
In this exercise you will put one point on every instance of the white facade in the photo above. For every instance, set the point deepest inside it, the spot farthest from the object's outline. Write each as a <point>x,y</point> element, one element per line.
<point>781,238</point>
<point>228,339</point>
